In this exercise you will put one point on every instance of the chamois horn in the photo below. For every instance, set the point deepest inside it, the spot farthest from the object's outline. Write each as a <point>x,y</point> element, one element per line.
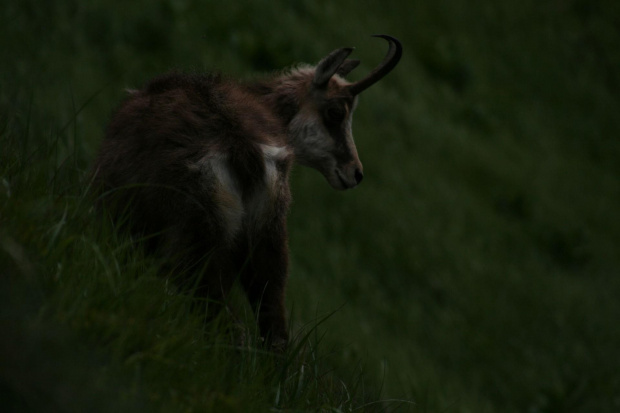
<point>389,62</point>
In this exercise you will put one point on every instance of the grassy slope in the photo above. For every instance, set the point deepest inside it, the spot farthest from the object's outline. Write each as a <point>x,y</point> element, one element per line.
<point>475,269</point>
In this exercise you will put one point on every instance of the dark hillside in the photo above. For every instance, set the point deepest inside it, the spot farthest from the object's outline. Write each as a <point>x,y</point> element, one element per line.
<point>474,270</point>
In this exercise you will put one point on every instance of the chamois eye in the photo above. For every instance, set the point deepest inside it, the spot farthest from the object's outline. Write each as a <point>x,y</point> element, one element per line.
<point>335,114</point>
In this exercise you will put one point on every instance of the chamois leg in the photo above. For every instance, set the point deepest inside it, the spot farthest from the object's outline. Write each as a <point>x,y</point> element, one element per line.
<point>264,283</point>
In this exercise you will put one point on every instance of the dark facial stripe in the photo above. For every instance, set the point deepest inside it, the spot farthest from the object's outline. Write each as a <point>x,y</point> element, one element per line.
<point>338,132</point>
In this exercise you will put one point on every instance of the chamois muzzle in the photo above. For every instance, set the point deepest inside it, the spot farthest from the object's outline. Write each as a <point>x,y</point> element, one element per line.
<point>390,61</point>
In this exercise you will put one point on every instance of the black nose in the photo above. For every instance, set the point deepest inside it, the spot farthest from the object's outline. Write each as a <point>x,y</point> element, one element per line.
<point>358,176</point>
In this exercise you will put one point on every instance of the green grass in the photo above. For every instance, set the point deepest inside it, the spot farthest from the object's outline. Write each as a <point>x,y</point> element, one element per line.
<point>475,270</point>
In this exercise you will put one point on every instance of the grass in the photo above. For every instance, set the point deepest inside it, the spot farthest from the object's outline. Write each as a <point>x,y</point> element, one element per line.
<point>475,270</point>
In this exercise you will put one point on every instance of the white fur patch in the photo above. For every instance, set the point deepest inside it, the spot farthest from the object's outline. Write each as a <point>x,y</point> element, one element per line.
<point>275,152</point>
<point>272,155</point>
<point>228,196</point>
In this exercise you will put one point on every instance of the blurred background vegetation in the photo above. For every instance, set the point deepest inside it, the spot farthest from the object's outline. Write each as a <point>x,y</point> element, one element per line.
<point>475,270</point>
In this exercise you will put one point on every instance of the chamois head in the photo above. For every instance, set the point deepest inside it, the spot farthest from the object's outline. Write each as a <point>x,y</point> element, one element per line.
<point>320,132</point>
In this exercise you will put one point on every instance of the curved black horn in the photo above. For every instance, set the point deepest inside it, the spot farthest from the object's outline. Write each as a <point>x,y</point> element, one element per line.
<point>329,65</point>
<point>389,62</point>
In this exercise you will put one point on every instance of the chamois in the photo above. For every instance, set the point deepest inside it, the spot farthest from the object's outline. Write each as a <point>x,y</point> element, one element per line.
<point>197,166</point>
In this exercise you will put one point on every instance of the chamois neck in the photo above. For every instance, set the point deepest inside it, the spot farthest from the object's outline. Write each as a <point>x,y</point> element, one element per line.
<point>283,93</point>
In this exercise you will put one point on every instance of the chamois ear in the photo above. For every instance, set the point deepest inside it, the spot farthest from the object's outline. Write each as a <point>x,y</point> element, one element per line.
<point>328,66</point>
<point>346,67</point>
